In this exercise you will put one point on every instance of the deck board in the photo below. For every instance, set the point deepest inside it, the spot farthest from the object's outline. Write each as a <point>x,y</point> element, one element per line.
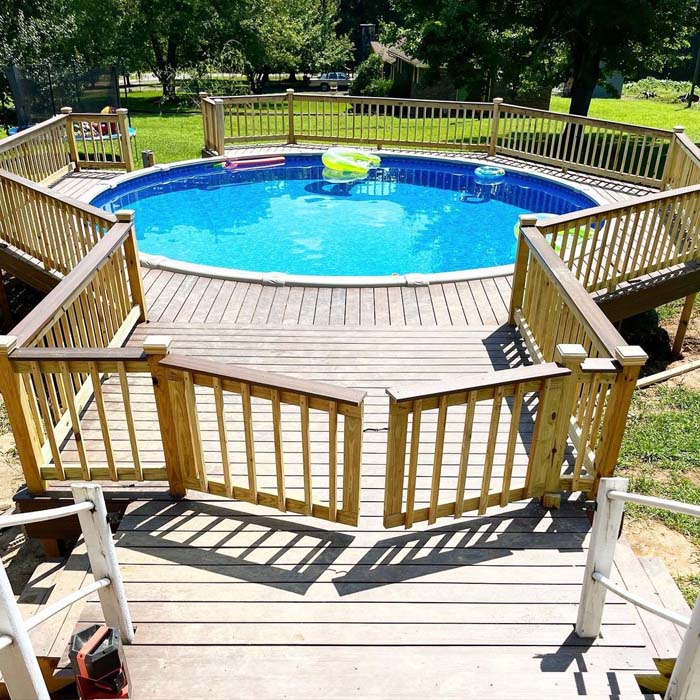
<point>235,601</point>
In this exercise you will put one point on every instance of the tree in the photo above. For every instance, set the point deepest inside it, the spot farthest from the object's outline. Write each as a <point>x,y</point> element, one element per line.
<point>599,36</point>
<point>518,44</point>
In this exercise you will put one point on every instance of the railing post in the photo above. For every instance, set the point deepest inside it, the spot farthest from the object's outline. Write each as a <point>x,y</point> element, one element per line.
<point>493,142</point>
<point>18,663</point>
<point>671,157</point>
<point>204,109</point>
<point>125,139</point>
<point>601,554</point>
<point>220,133</point>
<point>632,359</point>
<point>157,347</point>
<point>570,356</point>
<point>103,558</point>
<point>70,136</point>
<point>685,678</point>
<point>291,136</point>
<point>133,266</point>
<point>27,441</point>
<point>395,462</point>
<point>352,464</point>
<point>522,257</point>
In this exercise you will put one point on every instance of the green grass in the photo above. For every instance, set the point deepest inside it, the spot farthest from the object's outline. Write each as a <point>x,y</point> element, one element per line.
<point>642,112</point>
<point>661,456</point>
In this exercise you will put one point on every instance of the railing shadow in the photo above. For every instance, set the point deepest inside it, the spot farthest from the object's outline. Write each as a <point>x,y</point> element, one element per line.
<point>259,549</point>
<point>465,543</point>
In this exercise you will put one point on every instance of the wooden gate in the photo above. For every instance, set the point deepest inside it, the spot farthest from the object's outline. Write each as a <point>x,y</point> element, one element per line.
<point>484,441</point>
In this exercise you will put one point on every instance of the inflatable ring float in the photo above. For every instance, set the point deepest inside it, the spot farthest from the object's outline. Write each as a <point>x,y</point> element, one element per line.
<point>489,175</point>
<point>349,160</point>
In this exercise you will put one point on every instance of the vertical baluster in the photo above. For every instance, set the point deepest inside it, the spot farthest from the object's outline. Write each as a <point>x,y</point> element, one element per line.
<point>131,428</point>
<point>437,459</point>
<point>490,450</point>
<point>512,440</point>
<point>413,463</point>
<point>223,438</point>
<point>194,431</point>
<point>332,461</point>
<point>104,425</point>
<point>306,453</point>
<point>75,419</point>
<point>249,442</point>
<point>279,454</point>
<point>464,453</point>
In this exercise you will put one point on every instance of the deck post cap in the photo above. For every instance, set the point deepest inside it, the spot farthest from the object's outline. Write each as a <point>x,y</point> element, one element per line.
<point>124,215</point>
<point>290,91</point>
<point>157,344</point>
<point>527,219</point>
<point>203,94</point>
<point>678,129</point>
<point>570,352</point>
<point>66,110</point>
<point>629,355</point>
<point>498,100</point>
<point>7,344</point>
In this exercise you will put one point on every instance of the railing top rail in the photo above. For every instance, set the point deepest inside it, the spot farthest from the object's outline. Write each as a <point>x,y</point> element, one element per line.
<point>40,516</point>
<point>10,142</point>
<point>62,295</point>
<point>591,212</point>
<point>452,104</point>
<point>688,144</point>
<point>603,333</point>
<point>96,116</point>
<point>246,98</point>
<point>57,196</point>
<point>589,120</point>
<point>653,502</point>
<point>270,380</point>
<point>78,355</point>
<point>489,380</point>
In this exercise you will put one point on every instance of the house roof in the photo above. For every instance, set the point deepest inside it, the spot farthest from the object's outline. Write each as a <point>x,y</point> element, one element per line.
<point>391,54</point>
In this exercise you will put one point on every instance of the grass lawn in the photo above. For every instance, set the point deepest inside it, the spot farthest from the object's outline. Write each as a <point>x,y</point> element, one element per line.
<point>662,115</point>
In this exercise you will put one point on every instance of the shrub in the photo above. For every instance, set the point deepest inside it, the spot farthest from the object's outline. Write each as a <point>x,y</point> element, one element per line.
<point>662,90</point>
<point>370,71</point>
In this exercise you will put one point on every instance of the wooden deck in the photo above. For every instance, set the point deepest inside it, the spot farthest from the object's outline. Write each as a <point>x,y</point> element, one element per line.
<point>187,298</point>
<point>236,601</point>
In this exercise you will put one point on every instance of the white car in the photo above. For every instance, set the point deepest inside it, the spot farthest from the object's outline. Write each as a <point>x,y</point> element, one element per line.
<point>334,79</point>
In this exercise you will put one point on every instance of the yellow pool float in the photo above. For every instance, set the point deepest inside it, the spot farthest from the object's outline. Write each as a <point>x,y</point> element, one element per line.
<point>349,160</point>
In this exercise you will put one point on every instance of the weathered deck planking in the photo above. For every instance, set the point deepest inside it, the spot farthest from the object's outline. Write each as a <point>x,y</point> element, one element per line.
<point>174,296</point>
<point>233,601</point>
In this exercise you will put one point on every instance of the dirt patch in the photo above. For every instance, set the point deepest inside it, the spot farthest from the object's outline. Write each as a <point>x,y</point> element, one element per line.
<point>20,555</point>
<point>650,538</point>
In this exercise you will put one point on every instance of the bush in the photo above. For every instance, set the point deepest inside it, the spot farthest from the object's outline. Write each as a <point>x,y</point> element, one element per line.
<point>369,72</point>
<point>662,90</point>
<point>379,88</point>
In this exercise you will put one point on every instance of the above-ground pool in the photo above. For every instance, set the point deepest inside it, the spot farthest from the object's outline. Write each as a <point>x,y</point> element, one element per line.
<point>410,215</point>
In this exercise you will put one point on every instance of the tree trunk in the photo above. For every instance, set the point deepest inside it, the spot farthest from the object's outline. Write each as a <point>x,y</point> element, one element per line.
<point>586,59</point>
<point>165,67</point>
<point>292,76</point>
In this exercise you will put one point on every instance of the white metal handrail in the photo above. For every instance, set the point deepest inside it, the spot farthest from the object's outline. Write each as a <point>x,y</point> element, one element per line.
<point>610,506</point>
<point>18,663</point>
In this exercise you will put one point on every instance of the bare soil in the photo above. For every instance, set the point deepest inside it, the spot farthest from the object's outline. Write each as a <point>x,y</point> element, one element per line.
<point>650,538</point>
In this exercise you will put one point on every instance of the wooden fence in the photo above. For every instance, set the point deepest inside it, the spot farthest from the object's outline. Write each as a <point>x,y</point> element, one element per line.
<point>62,368</point>
<point>45,152</point>
<point>624,151</point>
<point>553,310</point>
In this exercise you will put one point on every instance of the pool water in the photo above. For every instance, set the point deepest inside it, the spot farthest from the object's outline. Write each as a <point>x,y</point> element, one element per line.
<point>409,216</point>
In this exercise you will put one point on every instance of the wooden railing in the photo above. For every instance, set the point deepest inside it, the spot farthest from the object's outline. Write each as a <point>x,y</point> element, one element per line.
<point>624,151</point>
<point>532,395</point>
<point>38,153</point>
<point>54,230</point>
<point>99,140</point>
<point>683,167</point>
<point>634,153</point>
<point>551,308</point>
<point>189,391</point>
<point>609,245</point>
<point>47,151</point>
